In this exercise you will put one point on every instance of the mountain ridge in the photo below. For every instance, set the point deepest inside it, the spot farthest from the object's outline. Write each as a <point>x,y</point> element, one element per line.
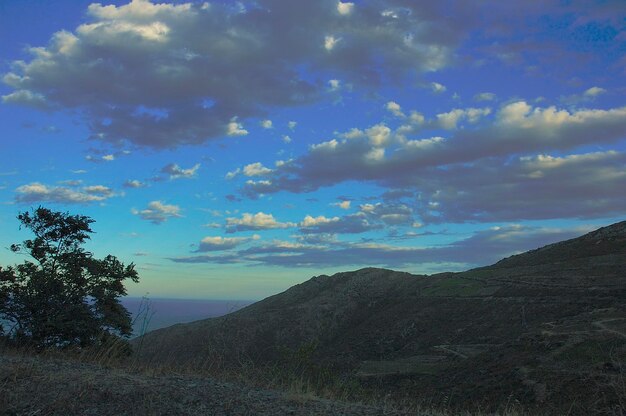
<point>530,325</point>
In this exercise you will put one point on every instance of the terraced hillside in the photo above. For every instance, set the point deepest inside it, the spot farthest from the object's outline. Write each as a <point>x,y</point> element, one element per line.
<point>546,328</point>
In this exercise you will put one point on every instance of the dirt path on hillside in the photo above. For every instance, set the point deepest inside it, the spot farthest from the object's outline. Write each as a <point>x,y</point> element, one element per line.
<point>602,325</point>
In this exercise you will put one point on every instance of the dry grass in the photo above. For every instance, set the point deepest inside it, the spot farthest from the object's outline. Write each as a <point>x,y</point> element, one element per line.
<point>61,383</point>
<point>105,375</point>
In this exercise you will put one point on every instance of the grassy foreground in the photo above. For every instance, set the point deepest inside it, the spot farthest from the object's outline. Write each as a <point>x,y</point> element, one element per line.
<point>91,382</point>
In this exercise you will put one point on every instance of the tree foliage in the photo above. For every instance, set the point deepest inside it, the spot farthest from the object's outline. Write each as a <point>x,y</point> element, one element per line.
<point>61,295</point>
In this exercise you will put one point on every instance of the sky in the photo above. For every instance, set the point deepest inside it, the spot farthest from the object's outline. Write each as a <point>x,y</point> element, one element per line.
<point>233,149</point>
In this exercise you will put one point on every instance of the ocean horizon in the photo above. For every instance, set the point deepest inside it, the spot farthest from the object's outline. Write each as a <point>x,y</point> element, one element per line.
<point>149,314</point>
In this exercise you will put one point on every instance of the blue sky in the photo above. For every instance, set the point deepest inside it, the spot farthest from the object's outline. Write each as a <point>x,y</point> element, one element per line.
<point>233,149</point>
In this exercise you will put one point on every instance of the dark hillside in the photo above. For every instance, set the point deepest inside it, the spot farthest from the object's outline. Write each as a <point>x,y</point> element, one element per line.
<point>546,328</point>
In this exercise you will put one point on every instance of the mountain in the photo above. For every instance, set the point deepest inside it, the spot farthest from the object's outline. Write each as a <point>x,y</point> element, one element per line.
<point>546,328</point>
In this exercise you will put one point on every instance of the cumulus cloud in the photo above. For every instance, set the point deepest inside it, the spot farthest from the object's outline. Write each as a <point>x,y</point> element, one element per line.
<point>167,74</point>
<point>27,98</point>
<point>437,88</point>
<point>451,119</point>
<point>223,243</point>
<point>349,224</point>
<point>394,108</point>
<point>254,222</point>
<point>345,8</point>
<point>256,169</point>
<point>388,213</point>
<point>343,204</point>
<point>487,154</point>
<point>334,84</point>
<point>157,212</point>
<point>38,192</point>
<point>134,183</point>
<point>176,172</point>
<point>330,42</point>
<point>234,128</point>
<point>266,124</point>
<point>532,187</point>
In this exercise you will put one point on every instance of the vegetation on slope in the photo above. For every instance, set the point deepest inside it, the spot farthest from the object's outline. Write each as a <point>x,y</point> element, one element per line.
<point>546,329</point>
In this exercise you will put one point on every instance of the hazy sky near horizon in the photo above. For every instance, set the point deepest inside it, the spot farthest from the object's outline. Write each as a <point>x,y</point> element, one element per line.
<point>233,149</point>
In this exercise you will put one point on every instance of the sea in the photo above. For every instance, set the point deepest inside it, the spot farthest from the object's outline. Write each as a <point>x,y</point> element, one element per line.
<point>154,313</point>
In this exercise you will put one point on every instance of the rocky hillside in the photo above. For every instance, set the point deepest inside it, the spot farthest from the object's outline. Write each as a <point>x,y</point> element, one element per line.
<point>546,328</point>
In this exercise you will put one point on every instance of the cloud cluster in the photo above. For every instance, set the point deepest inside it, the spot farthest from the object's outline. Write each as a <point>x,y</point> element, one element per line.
<point>254,222</point>
<point>223,243</point>
<point>70,194</point>
<point>176,172</point>
<point>369,217</point>
<point>157,212</point>
<point>482,248</point>
<point>348,224</point>
<point>494,165</point>
<point>134,183</point>
<point>162,75</point>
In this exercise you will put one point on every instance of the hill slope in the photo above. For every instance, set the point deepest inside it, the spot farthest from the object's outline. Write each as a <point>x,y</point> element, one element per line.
<point>545,328</point>
<point>39,385</point>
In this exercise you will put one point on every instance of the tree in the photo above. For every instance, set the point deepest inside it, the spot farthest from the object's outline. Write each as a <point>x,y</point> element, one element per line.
<point>62,296</point>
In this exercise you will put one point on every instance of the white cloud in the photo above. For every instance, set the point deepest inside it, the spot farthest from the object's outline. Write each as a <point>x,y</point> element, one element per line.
<point>437,88</point>
<point>38,192</point>
<point>310,221</point>
<point>345,8</point>
<point>292,125</point>
<point>234,128</point>
<point>330,42</point>
<point>395,109</point>
<point>379,135</point>
<point>342,204</point>
<point>256,169</point>
<point>108,158</point>
<point>158,212</point>
<point>451,119</point>
<point>266,124</point>
<point>176,172</point>
<point>27,98</point>
<point>286,139</point>
<point>233,174</point>
<point>223,243</point>
<point>258,221</point>
<point>334,84</point>
<point>594,92</point>
<point>349,224</point>
<point>134,183</point>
